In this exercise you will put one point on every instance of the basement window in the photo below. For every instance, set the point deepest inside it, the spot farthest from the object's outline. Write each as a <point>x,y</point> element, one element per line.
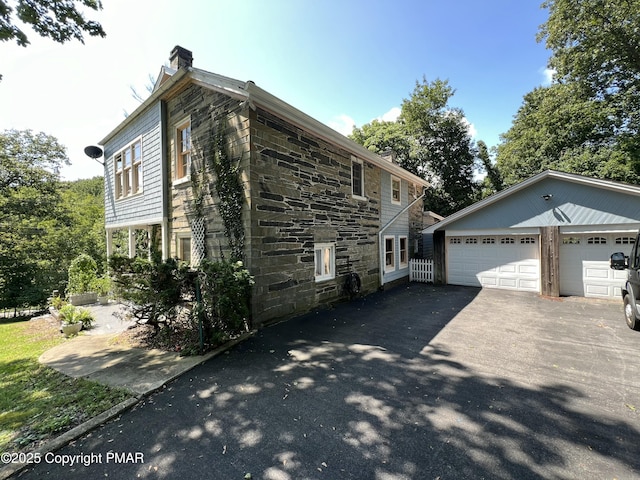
<point>325,261</point>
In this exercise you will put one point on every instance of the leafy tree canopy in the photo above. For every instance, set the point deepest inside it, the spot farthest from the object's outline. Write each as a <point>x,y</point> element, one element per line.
<point>44,223</point>
<point>588,120</point>
<point>60,20</point>
<point>432,140</point>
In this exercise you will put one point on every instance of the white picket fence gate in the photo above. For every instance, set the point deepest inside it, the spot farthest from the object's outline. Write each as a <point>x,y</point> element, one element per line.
<point>421,270</point>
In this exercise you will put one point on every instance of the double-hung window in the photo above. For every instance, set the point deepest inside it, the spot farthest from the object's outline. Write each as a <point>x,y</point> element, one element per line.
<point>395,191</point>
<point>357,177</point>
<point>127,166</point>
<point>389,253</point>
<point>325,261</point>
<point>404,252</point>
<point>183,153</point>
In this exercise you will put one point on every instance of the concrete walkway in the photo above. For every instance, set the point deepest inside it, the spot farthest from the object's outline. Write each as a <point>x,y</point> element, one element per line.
<point>94,355</point>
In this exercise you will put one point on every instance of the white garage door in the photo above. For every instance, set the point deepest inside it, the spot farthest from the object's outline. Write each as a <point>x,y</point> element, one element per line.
<point>508,262</point>
<point>584,264</point>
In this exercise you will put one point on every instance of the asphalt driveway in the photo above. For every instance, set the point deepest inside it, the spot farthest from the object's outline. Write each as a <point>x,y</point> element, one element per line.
<point>419,382</point>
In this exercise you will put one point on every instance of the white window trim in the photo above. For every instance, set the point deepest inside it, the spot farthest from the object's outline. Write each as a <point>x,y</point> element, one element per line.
<point>392,267</point>
<point>179,126</point>
<point>396,202</point>
<point>332,266</point>
<point>404,264</point>
<point>357,160</point>
<point>140,188</point>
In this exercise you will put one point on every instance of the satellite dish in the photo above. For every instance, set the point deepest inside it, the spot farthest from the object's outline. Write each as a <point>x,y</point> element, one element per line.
<point>93,152</point>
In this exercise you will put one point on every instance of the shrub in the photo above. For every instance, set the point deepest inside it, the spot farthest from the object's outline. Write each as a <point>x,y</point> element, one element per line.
<point>153,291</point>
<point>101,285</point>
<point>82,272</point>
<point>226,296</point>
<point>164,295</point>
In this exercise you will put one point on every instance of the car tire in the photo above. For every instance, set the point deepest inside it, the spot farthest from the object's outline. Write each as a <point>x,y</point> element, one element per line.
<point>630,314</point>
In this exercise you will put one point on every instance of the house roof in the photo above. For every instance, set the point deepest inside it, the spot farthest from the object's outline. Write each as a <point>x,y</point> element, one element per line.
<point>170,79</point>
<point>548,174</point>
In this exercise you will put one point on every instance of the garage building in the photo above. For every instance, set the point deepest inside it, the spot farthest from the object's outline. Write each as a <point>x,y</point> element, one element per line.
<point>552,234</point>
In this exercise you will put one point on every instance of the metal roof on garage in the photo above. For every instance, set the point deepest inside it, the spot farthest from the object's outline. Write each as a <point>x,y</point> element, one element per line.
<point>551,198</point>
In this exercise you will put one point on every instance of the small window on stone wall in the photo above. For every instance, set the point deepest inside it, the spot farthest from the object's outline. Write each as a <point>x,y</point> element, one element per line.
<point>357,178</point>
<point>325,261</point>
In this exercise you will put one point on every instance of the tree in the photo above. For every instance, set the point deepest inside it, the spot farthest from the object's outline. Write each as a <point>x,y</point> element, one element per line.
<point>60,20</point>
<point>83,202</point>
<point>588,120</point>
<point>596,43</point>
<point>493,181</point>
<point>432,140</point>
<point>30,209</point>
<point>383,136</point>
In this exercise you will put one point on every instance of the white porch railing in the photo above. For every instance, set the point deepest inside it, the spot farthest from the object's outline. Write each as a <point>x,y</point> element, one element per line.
<point>421,270</point>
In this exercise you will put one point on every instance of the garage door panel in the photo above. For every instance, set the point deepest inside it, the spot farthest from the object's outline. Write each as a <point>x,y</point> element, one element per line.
<point>494,265</point>
<point>508,268</point>
<point>529,285</point>
<point>528,269</point>
<point>584,266</point>
<point>595,271</point>
<point>592,290</point>
<point>510,283</point>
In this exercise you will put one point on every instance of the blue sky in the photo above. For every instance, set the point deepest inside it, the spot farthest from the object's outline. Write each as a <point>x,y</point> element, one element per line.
<point>340,61</point>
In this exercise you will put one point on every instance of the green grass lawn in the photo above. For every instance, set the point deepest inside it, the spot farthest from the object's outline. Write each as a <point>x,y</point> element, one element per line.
<point>37,402</point>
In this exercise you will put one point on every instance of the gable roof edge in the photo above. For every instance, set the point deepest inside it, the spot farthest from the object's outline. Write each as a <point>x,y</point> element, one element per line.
<point>571,177</point>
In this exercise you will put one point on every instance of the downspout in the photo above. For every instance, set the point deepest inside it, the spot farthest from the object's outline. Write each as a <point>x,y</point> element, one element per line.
<point>165,176</point>
<point>381,231</point>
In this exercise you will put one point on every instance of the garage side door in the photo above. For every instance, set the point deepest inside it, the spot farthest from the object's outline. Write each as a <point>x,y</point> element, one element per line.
<point>584,264</point>
<point>508,262</point>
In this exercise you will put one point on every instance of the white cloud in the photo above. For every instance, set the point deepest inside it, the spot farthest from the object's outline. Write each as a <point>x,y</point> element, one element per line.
<point>391,116</point>
<point>343,124</point>
<point>547,75</point>
<point>471,128</point>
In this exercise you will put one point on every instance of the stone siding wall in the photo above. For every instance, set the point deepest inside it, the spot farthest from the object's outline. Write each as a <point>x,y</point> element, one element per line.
<point>301,196</point>
<point>205,109</point>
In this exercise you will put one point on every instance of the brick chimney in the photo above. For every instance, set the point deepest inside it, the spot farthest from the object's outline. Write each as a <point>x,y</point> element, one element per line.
<point>180,58</point>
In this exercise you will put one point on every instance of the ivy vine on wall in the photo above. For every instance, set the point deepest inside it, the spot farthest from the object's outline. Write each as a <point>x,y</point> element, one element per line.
<point>230,191</point>
<point>228,186</point>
